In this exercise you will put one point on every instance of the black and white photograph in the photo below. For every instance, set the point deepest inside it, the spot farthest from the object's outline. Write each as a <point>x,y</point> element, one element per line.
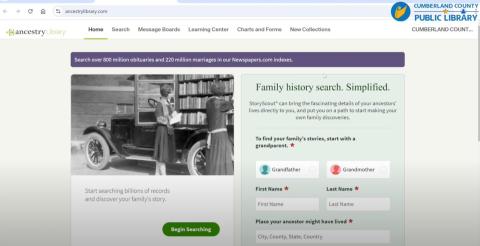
<point>152,124</point>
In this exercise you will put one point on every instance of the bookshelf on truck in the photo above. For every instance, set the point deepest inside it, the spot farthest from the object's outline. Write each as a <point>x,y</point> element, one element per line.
<point>132,136</point>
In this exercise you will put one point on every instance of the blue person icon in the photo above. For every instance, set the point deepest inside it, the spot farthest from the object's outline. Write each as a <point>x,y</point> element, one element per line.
<point>265,169</point>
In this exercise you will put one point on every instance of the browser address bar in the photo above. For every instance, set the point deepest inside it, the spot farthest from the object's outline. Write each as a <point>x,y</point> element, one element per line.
<point>87,11</point>
<point>298,11</point>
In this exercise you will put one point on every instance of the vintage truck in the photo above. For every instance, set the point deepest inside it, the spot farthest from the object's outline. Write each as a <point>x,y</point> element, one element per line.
<point>132,136</point>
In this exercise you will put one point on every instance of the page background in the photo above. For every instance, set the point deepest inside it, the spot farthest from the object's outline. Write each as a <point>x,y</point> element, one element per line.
<point>441,163</point>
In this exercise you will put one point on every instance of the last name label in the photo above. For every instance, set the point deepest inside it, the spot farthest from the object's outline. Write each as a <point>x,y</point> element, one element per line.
<point>339,188</point>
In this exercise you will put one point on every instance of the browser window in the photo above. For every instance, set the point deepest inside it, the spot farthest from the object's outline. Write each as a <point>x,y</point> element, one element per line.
<point>239,122</point>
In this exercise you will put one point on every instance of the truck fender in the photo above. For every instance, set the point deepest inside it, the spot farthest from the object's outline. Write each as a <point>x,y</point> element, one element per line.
<point>197,135</point>
<point>105,133</point>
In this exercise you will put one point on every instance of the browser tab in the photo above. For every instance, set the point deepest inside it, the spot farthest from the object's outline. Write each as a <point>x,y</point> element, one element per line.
<point>46,1</point>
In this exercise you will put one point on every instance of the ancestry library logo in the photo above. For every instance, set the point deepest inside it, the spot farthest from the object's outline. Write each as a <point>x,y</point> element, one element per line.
<point>12,32</point>
<point>26,32</point>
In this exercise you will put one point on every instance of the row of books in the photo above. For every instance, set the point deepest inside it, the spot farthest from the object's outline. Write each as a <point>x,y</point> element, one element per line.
<point>183,77</point>
<point>202,87</point>
<point>200,118</point>
<point>195,102</point>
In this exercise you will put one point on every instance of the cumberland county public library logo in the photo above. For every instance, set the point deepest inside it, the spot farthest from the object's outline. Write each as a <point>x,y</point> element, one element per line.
<point>435,12</point>
<point>400,11</point>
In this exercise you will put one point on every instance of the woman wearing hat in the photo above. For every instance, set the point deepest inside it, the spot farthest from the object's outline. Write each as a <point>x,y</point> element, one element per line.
<point>219,153</point>
<point>164,148</point>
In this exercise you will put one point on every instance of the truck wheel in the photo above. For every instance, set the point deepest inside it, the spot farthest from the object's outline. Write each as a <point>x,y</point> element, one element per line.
<point>97,152</point>
<point>197,158</point>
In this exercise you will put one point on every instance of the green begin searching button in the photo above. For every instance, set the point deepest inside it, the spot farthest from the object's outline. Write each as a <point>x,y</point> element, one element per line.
<point>191,229</point>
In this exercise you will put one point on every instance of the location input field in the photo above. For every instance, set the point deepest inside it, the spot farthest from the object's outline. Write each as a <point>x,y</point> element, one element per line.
<point>287,204</point>
<point>323,236</point>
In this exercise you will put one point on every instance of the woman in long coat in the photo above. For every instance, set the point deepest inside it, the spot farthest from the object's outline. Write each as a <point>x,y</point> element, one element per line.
<point>219,153</point>
<point>164,148</point>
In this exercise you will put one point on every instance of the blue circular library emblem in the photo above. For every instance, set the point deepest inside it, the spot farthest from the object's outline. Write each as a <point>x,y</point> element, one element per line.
<point>400,11</point>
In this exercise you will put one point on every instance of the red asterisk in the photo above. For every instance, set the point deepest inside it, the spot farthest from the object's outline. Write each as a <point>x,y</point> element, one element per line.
<point>286,188</point>
<point>350,221</point>
<point>357,188</point>
<point>292,145</point>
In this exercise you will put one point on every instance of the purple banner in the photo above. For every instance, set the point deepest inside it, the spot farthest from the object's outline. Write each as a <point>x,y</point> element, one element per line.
<point>238,59</point>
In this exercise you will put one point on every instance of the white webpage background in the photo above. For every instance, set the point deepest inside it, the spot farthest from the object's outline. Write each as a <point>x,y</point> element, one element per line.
<point>442,171</point>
